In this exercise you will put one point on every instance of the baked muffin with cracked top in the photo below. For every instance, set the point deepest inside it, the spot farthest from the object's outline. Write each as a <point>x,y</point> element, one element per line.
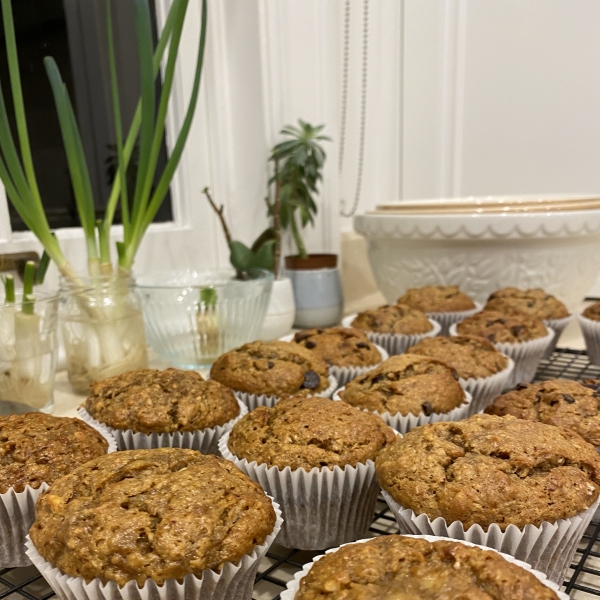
<point>340,346</point>
<point>559,402</point>
<point>304,433</point>
<point>399,567</point>
<point>593,311</point>
<point>396,319</point>
<point>437,298</point>
<point>471,356</point>
<point>154,401</point>
<point>37,448</point>
<point>272,368</point>
<point>500,328</point>
<point>151,514</point>
<point>406,384</point>
<point>535,302</point>
<point>489,469</point>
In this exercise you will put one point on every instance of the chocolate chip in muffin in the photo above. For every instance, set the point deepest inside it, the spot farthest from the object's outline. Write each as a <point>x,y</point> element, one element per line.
<point>311,380</point>
<point>427,408</point>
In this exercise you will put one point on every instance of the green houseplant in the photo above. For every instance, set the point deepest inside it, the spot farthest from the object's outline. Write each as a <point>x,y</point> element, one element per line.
<point>112,340</point>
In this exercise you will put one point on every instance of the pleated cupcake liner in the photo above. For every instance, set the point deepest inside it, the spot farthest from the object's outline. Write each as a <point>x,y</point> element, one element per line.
<point>558,326</point>
<point>294,585</point>
<point>404,423</point>
<point>321,507</point>
<point>204,440</point>
<point>526,356</point>
<point>393,343</point>
<point>485,390</point>
<point>447,319</point>
<point>591,334</point>
<point>253,401</point>
<point>548,548</point>
<point>234,582</point>
<point>17,514</point>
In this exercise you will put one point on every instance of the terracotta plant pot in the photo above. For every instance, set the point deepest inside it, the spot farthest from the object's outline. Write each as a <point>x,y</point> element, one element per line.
<point>317,289</point>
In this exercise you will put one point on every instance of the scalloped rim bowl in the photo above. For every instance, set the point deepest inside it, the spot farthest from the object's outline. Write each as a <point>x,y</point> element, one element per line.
<point>481,252</point>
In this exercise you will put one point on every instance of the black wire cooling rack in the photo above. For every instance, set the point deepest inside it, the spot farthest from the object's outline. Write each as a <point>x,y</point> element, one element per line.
<point>280,564</point>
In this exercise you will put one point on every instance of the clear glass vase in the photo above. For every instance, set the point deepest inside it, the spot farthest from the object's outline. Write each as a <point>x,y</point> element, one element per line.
<point>28,354</point>
<point>103,329</point>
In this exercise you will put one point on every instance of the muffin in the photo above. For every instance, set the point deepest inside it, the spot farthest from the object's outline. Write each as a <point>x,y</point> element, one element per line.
<point>523,338</point>
<point>482,370</point>
<point>493,473</point>
<point>408,385</point>
<point>152,517</point>
<point>395,566</point>
<point>394,327</point>
<point>315,457</point>
<point>347,351</point>
<point>35,450</point>
<point>559,402</point>
<point>535,302</point>
<point>141,403</point>
<point>262,372</point>
<point>589,322</point>
<point>437,298</point>
<point>446,304</point>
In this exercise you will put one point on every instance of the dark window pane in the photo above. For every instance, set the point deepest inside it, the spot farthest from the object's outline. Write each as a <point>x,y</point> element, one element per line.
<point>74,33</point>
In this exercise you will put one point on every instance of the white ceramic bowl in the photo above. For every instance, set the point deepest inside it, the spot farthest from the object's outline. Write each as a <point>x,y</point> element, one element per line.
<point>481,252</point>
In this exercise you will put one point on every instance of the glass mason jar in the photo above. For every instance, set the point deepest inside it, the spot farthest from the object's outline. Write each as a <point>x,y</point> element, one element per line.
<point>103,329</point>
<point>28,353</point>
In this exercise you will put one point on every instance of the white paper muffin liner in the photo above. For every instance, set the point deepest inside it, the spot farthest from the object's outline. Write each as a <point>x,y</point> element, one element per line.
<point>591,334</point>
<point>446,319</point>
<point>17,514</point>
<point>204,440</point>
<point>548,548</point>
<point>345,375</point>
<point>486,389</point>
<point>393,343</point>
<point>235,582</point>
<point>321,507</point>
<point>526,355</point>
<point>253,401</point>
<point>294,585</point>
<point>404,423</point>
<point>558,326</point>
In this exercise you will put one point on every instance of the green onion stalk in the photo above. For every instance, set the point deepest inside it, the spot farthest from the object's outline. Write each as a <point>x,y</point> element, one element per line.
<point>107,321</point>
<point>25,355</point>
<point>208,347</point>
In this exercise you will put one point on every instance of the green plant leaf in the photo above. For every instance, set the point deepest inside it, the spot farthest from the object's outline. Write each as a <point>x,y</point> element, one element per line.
<point>266,236</point>
<point>240,255</point>
<point>263,259</point>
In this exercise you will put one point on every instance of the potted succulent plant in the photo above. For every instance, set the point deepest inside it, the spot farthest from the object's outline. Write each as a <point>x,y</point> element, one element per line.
<point>102,319</point>
<point>315,277</point>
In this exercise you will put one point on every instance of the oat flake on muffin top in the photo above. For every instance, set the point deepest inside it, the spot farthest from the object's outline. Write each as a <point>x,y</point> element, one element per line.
<point>273,368</point>
<point>559,402</point>
<point>340,346</point>
<point>437,298</point>
<point>500,328</point>
<point>153,401</point>
<point>470,356</point>
<point>37,448</point>
<point>394,567</point>
<point>406,384</point>
<point>304,433</point>
<point>393,318</point>
<point>151,514</point>
<point>489,469</point>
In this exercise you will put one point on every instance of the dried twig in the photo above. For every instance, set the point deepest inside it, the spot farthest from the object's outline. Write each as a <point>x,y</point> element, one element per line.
<point>277,222</point>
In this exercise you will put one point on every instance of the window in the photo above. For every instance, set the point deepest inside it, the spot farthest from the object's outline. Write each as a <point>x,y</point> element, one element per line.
<point>74,33</point>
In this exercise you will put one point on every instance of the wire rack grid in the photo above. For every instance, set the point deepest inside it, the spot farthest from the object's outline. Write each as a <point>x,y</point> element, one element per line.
<point>280,564</point>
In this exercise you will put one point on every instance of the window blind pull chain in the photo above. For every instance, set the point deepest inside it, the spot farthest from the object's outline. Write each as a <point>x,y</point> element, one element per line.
<point>363,105</point>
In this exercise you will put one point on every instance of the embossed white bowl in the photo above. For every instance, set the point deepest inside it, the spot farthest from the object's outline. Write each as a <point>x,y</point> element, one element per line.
<point>556,250</point>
